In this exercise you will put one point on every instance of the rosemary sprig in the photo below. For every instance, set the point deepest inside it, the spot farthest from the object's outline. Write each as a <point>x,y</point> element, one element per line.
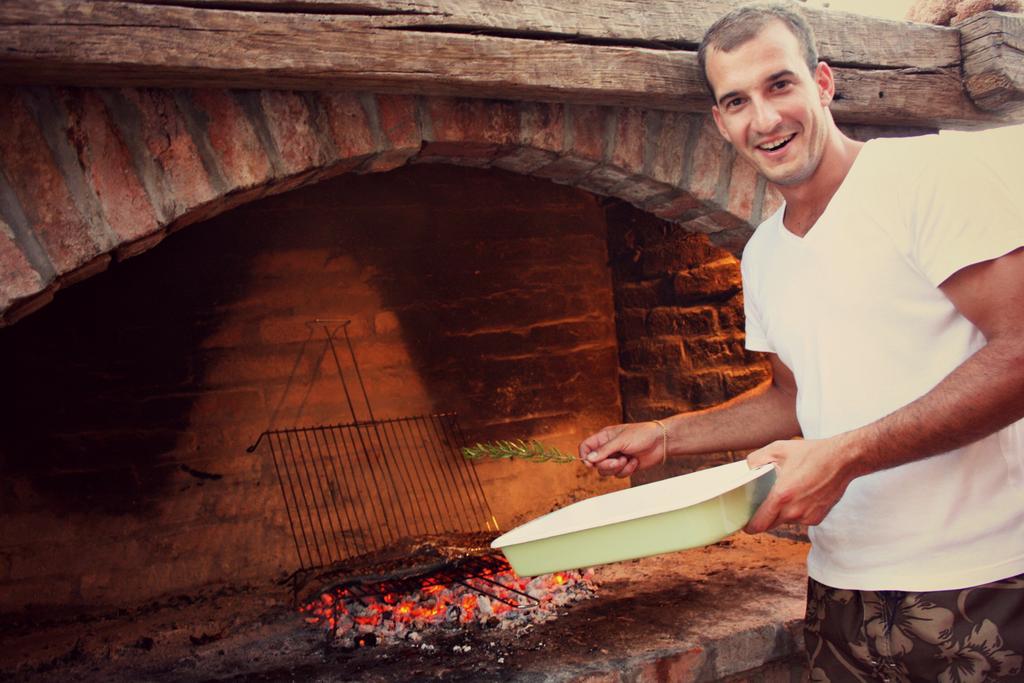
<point>532,451</point>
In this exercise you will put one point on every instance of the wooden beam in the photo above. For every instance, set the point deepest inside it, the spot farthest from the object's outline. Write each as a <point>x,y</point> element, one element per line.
<point>128,44</point>
<point>993,49</point>
<point>843,38</point>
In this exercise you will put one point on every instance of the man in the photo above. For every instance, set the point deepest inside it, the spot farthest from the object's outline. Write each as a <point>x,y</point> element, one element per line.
<point>888,293</point>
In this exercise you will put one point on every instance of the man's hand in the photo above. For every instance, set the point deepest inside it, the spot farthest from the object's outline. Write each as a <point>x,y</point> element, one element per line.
<point>811,477</point>
<point>621,450</point>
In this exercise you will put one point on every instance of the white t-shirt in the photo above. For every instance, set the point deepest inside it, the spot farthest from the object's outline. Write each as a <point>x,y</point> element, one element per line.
<point>854,310</point>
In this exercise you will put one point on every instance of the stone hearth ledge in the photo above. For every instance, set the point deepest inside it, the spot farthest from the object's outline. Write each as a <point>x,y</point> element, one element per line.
<point>729,612</point>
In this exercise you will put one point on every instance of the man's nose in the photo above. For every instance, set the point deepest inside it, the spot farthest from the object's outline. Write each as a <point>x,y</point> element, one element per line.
<point>766,116</point>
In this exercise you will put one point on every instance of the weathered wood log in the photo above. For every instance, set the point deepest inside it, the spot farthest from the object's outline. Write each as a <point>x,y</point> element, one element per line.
<point>119,44</point>
<point>993,53</point>
<point>843,38</point>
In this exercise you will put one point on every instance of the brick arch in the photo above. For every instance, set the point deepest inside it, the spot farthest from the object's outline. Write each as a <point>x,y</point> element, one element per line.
<point>88,176</point>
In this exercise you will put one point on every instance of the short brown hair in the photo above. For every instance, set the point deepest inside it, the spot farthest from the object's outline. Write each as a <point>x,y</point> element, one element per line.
<point>744,23</point>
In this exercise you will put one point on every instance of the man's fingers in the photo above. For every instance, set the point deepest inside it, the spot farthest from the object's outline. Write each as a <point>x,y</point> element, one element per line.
<point>761,456</point>
<point>591,447</point>
<point>611,466</point>
<point>766,516</point>
<point>605,452</point>
<point>631,466</point>
<point>591,443</point>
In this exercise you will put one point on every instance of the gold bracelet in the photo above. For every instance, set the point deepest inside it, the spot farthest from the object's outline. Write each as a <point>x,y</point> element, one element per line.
<point>664,440</point>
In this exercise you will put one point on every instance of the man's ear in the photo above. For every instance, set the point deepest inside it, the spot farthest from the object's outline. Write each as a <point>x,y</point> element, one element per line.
<point>717,116</point>
<point>826,83</point>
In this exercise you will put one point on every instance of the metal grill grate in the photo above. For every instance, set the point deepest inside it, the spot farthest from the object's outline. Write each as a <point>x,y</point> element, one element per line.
<point>351,489</point>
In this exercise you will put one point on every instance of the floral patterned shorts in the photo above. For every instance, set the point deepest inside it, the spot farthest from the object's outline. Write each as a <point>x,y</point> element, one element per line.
<point>970,635</point>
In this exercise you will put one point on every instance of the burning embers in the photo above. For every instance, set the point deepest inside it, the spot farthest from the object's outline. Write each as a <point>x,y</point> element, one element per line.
<point>483,593</point>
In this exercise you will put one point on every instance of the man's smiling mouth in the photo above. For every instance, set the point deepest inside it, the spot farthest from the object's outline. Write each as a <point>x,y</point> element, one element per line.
<point>776,144</point>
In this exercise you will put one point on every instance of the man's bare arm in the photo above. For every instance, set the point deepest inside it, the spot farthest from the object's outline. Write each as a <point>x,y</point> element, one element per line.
<point>750,420</point>
<point>984,394</point>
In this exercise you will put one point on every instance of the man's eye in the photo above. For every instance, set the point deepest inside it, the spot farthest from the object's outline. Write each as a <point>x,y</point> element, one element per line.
<point>780,85</point>
<point>733,103</point>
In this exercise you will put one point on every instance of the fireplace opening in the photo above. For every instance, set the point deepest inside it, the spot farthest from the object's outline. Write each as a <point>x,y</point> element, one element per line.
<point>476,292</point>
<point>529,309</point>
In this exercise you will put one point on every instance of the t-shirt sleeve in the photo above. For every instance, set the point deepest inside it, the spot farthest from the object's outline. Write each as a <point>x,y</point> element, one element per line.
<point>756,336</point>
<point>964,209</point>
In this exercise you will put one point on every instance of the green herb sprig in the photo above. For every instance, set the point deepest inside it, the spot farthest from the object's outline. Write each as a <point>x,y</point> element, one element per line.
<point>532,451</point>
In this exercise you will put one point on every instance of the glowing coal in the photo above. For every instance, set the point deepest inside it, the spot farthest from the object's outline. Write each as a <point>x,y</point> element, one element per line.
<point>500,600</point>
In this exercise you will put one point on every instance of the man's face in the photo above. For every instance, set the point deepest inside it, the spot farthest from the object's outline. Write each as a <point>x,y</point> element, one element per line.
<point>770,107</point>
